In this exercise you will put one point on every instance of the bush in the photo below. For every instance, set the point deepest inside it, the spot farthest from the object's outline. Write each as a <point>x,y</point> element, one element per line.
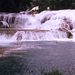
<point>55,72</point>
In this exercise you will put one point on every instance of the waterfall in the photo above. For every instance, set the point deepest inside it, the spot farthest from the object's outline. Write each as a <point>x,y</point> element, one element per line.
<point>44,26</point>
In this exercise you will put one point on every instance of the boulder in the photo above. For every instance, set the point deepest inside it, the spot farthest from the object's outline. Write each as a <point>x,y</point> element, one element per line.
<point>4,24</point>
<point>34,10</point>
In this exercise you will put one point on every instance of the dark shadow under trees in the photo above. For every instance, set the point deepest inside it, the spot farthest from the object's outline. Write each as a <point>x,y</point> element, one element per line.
<point>23,5</point>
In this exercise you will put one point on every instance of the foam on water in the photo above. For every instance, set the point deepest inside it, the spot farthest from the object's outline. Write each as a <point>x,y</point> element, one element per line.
<point>45,26</point>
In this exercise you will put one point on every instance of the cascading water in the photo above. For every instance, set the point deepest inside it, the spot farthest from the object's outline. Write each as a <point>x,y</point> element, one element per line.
<point>45,26</point>
<point>26,57</point>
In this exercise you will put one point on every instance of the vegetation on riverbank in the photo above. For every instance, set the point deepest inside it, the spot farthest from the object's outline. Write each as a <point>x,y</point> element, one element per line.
<point>22,5</point>
<point>54,72</point>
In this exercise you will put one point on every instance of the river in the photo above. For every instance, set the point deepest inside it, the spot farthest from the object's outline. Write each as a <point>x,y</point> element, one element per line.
<point>30,58</point>
<point>37,42</point>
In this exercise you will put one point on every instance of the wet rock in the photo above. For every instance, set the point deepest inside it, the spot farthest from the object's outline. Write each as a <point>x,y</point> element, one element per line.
<point>63,29</point>
<point>44,20</point>
<point>1,18</point>
<point>71,27</point>
<point>22,12</point>
<point>4,24</point>
<point>68,22</point>
<point>19,36</point>
<point>34,10</point>
<point>14,26</point>
<point>69,34</point>
<point>13,20</point>
<point>60,29</point>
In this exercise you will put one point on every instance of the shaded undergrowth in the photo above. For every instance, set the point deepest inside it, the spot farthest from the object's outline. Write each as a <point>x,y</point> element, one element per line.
<point>54,72</point>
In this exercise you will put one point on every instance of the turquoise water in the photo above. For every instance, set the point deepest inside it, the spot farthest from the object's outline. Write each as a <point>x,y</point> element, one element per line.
<point>30,58</point>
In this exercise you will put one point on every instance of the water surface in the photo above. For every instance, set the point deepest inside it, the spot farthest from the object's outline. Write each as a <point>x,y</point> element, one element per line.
<point>30,58</point>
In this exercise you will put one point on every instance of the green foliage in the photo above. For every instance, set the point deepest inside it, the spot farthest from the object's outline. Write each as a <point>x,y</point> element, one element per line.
<point>14,5</point>
<point>54,4</point>
<point>56,72</point>
<point>22,5</point>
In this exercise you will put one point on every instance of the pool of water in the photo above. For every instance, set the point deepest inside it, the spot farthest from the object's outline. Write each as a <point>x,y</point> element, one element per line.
<point>33,57</point>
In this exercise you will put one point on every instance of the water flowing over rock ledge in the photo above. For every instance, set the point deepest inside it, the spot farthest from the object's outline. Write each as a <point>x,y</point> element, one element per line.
<point>46,25</point>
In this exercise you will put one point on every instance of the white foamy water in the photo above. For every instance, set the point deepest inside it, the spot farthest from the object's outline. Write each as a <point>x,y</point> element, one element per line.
<point>45,26</point>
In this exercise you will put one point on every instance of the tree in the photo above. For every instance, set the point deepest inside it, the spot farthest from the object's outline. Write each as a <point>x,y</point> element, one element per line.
<point>14,5</point>
<point>22,5</point>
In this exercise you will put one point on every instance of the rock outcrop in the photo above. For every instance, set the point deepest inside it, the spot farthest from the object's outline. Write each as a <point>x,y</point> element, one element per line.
<point>69,34</point>
<point>34,10</point>
<point>4,24</point>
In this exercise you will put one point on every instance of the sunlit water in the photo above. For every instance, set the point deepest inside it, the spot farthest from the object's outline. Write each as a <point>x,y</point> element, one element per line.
<point>38,42</point>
